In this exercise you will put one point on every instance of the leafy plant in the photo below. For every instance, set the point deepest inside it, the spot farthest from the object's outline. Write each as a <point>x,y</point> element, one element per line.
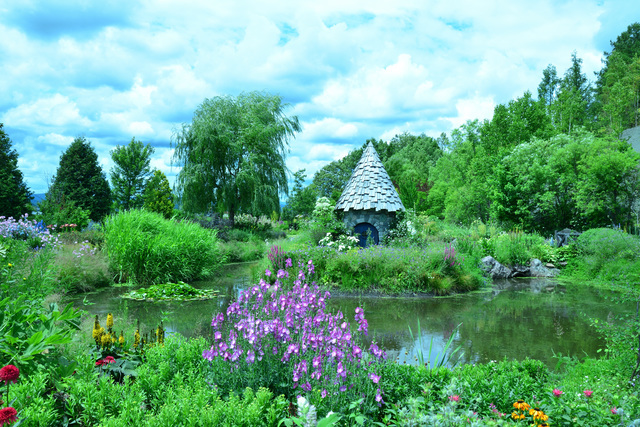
<point>171,292</point>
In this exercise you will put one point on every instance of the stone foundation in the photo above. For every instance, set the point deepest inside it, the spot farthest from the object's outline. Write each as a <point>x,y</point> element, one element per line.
<point>380,220</point>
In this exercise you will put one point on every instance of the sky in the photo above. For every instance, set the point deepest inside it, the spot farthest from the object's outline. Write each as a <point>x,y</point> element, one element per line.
<point>349,70</point>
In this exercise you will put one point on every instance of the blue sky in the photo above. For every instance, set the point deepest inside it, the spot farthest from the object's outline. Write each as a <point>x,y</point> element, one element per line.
<point>350,70</point>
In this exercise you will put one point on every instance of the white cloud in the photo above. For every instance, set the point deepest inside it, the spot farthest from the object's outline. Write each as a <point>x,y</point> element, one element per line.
<point>351,69</point>
<point>54,111</point>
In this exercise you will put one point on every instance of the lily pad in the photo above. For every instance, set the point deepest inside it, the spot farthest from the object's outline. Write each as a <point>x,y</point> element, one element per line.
<point>171,292</point>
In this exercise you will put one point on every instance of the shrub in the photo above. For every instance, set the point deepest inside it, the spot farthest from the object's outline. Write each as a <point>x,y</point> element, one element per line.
<point>145,248</point>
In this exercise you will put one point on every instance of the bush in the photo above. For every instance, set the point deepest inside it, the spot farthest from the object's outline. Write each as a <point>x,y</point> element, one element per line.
<point>145,248</point>
<point>604,254</point>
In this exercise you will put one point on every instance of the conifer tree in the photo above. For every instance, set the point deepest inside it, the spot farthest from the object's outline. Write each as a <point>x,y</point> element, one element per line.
<point>15,197</point>
<point>158,196</point>
<point>81,181</point>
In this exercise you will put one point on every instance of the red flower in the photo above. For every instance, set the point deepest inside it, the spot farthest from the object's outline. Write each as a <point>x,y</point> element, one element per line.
<point>99,362</point>
<point>588,393</point>
<point>9,374</point>
<point>7,416</point>
<point>109,359</point>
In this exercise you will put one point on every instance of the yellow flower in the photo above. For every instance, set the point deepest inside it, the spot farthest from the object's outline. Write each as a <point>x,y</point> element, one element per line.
<point>9,265</point>
<point>521,405</point>
<point>136,339</point>
<point>537,414</point>
<point>109,321</point>
<point>96,330</point>
<point>121,339</point>
<point>106,340</point>
<point>516,416</point>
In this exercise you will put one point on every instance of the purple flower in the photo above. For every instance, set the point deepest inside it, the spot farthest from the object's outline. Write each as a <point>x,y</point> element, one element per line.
<point>288,263</point>
<point>267,272</point>
<point>373,377</point>
<point>323,394</point>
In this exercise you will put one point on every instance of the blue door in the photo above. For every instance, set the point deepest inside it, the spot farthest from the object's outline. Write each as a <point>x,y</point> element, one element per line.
<point>363,231</point>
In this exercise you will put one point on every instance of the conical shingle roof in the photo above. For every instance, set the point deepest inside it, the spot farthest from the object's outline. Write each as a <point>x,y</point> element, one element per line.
<point>370,187</point>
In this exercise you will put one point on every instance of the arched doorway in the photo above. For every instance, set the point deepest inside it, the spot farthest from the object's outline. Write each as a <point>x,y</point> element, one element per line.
<point>363,231</point>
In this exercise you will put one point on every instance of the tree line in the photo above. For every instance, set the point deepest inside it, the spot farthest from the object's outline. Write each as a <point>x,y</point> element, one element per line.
<point>539,164</point>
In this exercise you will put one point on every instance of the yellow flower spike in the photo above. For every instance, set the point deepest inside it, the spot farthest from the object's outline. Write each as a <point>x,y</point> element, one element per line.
<point>106,340</point>
<point>109,321</point>
<point>136,339</point>
<point>96,330</point>
<point>121,339</point>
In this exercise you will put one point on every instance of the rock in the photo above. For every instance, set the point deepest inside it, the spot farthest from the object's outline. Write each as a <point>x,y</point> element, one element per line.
<point>549,265</point>
<point>562,263</point>
<point>487,263</point>
<point>494,269</point>
<point>520,271</point>
<point>499,271</point>
<point>537,269</point>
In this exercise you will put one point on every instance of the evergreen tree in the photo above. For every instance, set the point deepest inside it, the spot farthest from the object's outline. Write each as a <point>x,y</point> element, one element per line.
<point>15,197</point>
<point>80,180</point>
<point>130,174</point>
<point>158,196</point>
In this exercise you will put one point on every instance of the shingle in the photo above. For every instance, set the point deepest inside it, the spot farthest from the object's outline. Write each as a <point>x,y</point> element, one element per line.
<point>370,186</point>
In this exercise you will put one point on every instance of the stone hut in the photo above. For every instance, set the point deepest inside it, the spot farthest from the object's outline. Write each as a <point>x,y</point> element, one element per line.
<point>369,201</point>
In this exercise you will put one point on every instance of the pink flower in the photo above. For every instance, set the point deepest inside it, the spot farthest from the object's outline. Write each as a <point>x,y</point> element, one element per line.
<point>8,415</point>
<point>588,393</point>
<point>109,359</point>
<point>614,410</point>
<point>9,374</point>
<point>454,398</point>
<point>557,392</point>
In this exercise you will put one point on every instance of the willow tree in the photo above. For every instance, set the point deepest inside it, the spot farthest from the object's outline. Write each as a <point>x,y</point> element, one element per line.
<point>233,154</point>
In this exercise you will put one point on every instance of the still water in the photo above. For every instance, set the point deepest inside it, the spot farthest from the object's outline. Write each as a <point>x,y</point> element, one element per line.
<point>511,319</point>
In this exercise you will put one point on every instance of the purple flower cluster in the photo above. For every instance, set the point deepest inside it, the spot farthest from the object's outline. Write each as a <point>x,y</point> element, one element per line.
<point>450,258</point>
<point>278,258</point>
<point>286,324</point>
<point>25,229</point>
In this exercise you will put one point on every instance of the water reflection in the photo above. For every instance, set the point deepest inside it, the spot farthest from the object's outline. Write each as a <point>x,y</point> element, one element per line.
<point>512,319</point>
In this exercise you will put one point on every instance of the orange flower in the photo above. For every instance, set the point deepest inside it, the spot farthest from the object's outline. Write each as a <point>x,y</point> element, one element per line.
<point>521,405</point>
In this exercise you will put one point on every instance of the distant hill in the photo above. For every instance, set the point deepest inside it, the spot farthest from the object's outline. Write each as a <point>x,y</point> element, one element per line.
<point>37,198</point>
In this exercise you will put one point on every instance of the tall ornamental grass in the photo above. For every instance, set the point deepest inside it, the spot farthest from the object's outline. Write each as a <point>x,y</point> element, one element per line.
<point>278,334</point>
<point>145,248</point>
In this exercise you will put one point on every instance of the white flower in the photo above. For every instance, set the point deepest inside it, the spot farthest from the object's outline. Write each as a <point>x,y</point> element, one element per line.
<point>308,412</point>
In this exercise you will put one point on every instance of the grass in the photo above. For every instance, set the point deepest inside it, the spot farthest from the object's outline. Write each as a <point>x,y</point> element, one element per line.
<point>145,248</point>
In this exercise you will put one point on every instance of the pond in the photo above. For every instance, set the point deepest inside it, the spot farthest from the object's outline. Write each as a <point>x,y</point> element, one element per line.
<point>511,319</point>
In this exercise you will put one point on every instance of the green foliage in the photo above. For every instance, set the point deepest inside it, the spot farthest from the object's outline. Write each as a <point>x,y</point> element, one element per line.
<point>158,196</point>
<point>145,248</point>
<point>79,179</point>
<point>515,247</point>
<point>29,332</point>
<point>301,200</point>
<point>130,173</point>
<point>233,154</point>
<point>171,292</point>
<point>618,85</point>
<point>393,270</point>
<point>170,390</point>
<point>82,267</point>
<point>242,250</point>
<point>15,196</point>
<point>606,255</point>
